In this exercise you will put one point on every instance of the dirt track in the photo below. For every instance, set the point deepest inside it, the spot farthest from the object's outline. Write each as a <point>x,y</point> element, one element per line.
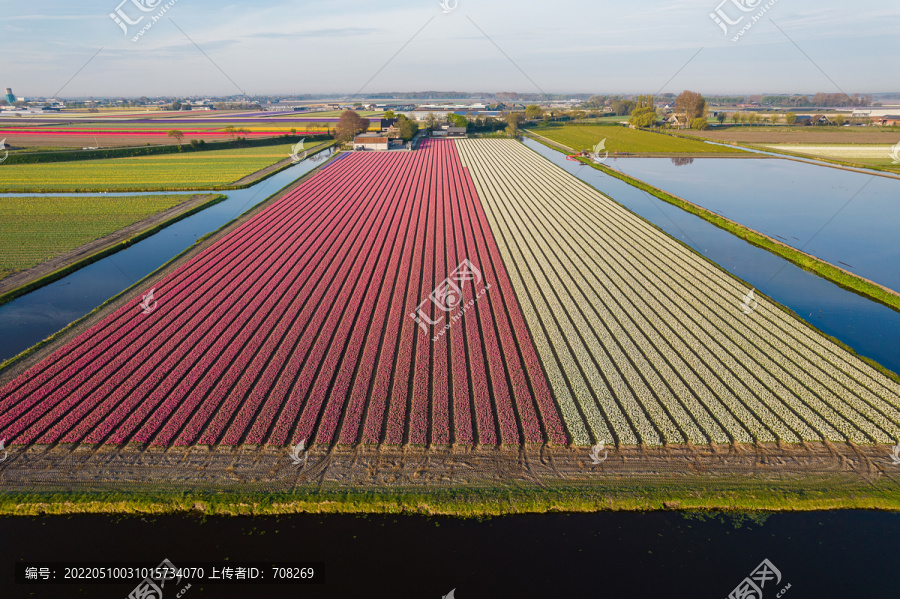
<point>68,467</point>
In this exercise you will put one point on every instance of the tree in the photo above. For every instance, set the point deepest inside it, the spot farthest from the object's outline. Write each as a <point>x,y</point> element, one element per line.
<point>407,128</point>
<point>458,120</point>
<point>389,114</point>
<point>735,117</point>
<point>349,126</point>
<point>622,107</point>
<point>230,130</point>
<point>692,104</point>
<point>533,111</point>
<point>644,114</point>
<point>176,105</point>
<point>721,117</point>
<point>839,120</point>
<point>514,119</point>
<point>699,123</point>
<point>790,118</point>
<point>175,133</point>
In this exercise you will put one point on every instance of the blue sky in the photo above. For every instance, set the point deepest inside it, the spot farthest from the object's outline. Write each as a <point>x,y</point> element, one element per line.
<point>272,47</point>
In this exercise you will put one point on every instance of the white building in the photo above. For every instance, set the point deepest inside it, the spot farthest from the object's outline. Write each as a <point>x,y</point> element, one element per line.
<point>370,141</point>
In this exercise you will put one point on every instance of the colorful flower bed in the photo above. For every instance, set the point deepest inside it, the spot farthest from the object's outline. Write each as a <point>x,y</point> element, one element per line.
<point>296,325</point>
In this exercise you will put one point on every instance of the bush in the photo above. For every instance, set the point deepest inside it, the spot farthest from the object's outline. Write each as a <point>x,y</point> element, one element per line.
<point>699,123</point>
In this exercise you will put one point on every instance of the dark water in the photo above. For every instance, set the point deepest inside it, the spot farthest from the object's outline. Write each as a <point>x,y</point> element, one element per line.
<point>846,554</point>
<point>836,215</point>
<point>871,329</point>
<point>41,313</point>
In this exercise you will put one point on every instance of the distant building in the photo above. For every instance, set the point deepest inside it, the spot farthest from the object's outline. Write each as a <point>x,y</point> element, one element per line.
<point>422,113</point>
<point>678,120</point>
<point>891,120</point>
<point>449,131</point>
<point>370,141</point>
<point>10,97</point>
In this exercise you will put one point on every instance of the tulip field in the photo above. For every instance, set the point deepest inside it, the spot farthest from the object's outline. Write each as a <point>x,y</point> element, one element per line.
<point>297,326</point>
<point>467,293</point>
<point>644,341</point>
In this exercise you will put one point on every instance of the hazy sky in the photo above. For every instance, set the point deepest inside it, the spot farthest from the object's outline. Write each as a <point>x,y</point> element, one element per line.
<point>272,47</point>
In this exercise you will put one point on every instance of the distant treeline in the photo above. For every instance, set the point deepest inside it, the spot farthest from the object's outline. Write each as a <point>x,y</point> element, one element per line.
<point>193,146</point>
<point>798,101</point>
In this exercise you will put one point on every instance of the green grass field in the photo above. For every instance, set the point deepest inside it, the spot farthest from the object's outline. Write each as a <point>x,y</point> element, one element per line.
<point>622,139</point>
<point>183,171</point>
<point>33,230</point>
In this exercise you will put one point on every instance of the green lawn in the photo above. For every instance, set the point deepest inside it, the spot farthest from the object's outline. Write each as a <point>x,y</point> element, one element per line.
<point>183,171</point>
<point>33,230</point>
<point>624,139</point>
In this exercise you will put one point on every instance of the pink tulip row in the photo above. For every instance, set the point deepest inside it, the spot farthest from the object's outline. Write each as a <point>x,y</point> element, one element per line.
<point>91,362</point>
<point>530,386</point>
<point>296,325</point>
<point>113,328</point>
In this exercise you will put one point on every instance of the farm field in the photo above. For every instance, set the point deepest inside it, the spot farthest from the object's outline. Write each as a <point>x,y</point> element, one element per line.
<point>623,139</point>
<point>799,135</point>
<point>79,131</point>
<point>214,169</point>
<point>468,294</point>
<point>35,229</point>
<point>875,155</point>
<point>643,341</point>
<point>297,325</point>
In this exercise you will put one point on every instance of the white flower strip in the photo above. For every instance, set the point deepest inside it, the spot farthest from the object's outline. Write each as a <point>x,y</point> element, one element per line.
<point>643,340</point>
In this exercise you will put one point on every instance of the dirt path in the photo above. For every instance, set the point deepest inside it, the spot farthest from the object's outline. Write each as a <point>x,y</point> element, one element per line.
<point>87,251</point>
<point>67,467</point>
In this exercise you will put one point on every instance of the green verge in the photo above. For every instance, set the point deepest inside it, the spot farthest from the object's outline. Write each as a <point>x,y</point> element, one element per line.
<point>890,171</point>
<point>99,255</point>
<point>690,494</point>
<point>805,261</point>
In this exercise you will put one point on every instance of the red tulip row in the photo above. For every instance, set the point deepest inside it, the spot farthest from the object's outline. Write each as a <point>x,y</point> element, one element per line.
<point>42,387</point>
<point>296,325</point>
<point>142,343</point>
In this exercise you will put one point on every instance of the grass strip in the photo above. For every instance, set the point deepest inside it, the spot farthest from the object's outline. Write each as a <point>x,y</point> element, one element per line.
<point>475,501</point>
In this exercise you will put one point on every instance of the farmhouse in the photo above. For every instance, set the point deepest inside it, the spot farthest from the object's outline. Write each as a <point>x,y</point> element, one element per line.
<point>678,120</point>
<point>370,141</point>
<point>449,131</point>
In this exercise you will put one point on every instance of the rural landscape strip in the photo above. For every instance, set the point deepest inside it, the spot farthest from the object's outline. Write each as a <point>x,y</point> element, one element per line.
<point>257,339</point>
<point>648,338</point>
<point>287,327</point>
<point>837,275</point>
<point>20,283</point>
<point>189,171</point>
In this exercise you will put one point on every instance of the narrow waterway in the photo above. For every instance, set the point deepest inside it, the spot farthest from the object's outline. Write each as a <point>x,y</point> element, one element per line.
<point>849,554</point>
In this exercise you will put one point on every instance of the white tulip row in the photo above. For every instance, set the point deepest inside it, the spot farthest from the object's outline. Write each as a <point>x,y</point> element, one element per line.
<point>642,339</point>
